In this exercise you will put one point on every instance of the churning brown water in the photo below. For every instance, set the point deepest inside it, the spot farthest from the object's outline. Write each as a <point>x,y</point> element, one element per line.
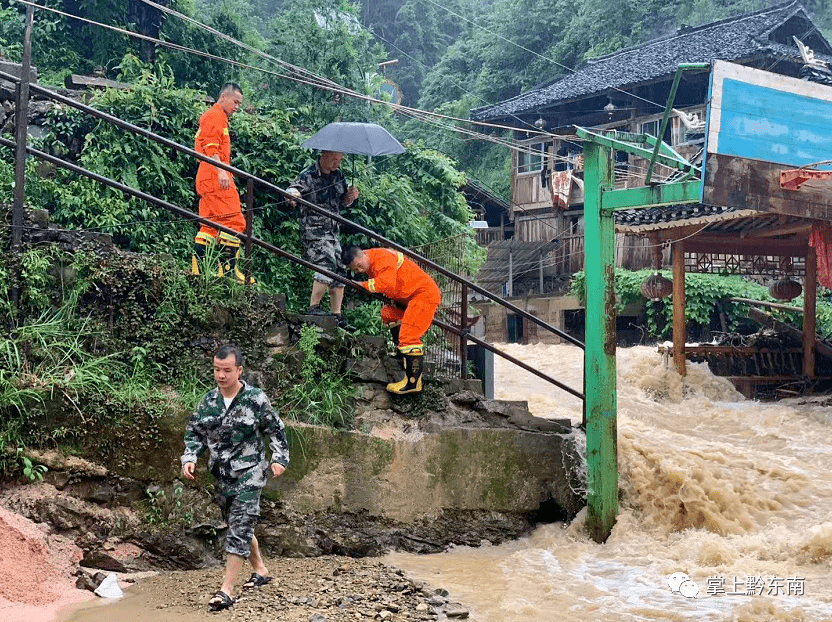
<point>735,494</point>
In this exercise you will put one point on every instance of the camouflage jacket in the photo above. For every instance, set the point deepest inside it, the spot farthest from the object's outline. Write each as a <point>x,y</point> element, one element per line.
<point>328,191</point>
<point>234,438</point>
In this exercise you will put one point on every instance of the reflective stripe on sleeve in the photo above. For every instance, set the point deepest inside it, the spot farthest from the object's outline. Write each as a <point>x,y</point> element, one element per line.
<point>371,285</point>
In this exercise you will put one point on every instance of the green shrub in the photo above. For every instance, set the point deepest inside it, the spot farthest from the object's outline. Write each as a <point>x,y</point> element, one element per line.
<point>705,296</point>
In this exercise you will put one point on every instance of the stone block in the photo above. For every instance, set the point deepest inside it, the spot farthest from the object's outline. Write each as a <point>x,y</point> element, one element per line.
<point>367,369</point>
<point>8,89</point>
<point>102,561</point>
<point>458,385</point>
<point>465,397</point>
<point>38,217</point>
<point>372,344</point>
<point>327,323</point>
<point>278,336</point>
<point>264,299</point>
<point>492,469</point>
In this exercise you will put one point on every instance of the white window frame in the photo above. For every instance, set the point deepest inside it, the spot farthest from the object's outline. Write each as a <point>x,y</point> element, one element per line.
<point>537,150</point>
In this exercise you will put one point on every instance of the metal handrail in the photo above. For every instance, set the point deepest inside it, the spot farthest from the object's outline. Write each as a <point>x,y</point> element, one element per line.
<point>316,208</point>
<point>249,239</point>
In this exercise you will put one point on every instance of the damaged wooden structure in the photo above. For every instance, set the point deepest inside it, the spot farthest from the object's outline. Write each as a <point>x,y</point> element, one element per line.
<point>625,91</point>
<point>764,211</point>
<point>760,128</point>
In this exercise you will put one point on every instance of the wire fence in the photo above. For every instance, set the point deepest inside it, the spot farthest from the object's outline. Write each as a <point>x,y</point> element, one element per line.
<point>442,348</point>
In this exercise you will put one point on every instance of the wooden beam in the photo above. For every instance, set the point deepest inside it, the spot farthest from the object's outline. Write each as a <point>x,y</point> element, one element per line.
<point>764,319</point>
<point>810,287</point>
<point>676,233</point>
<point>802,227</point>
<point>679,328</point>
<point>733,245</point>
<point>77,82</point>
<point>753,184</point>
<point>764,303</point>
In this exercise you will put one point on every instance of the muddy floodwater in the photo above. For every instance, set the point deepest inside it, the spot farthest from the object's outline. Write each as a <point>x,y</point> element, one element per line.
<point>735,494</point>
<point>730,498</point>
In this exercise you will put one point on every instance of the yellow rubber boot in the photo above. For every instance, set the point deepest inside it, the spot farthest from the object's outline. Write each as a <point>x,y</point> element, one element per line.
<point>232,265</point>
<point>412,380</point>
<point>201,243</point>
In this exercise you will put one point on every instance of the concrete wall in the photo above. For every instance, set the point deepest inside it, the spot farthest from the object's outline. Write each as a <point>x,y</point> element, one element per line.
<point>550,309</point>
<point>405,479</point>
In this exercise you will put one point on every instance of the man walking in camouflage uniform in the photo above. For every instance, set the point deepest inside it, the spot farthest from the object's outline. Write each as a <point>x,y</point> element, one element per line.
<point>230,422</point>
<point>324,184</point>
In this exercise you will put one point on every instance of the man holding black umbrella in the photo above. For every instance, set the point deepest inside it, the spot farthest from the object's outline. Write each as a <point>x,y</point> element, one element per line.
<point>324,184</point>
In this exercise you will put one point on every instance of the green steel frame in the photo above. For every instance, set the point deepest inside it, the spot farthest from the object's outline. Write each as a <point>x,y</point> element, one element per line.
<point>601,199</point>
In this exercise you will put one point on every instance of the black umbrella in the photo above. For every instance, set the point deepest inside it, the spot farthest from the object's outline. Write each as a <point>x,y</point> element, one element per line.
<point>356,138</point>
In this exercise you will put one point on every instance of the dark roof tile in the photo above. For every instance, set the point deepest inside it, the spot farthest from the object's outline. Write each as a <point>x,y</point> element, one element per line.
<point>735,38</point>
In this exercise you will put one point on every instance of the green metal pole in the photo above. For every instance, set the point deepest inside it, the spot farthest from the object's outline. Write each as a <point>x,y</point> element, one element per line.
<point>599,359</point>
<point>667,110</point>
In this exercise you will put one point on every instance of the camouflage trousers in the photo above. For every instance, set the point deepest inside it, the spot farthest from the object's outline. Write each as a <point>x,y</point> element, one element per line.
<point>325,252</point>
<point>241,511</point>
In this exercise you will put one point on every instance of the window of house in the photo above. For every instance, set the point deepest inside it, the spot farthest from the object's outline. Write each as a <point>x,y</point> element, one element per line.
<point>531,158</point>
<point>692,129</point>
<point>652,128</point>
<point>568,156</point>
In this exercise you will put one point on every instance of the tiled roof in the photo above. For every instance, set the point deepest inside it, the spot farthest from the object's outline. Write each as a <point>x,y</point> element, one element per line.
<point>668,216</point>
<point>735,38</point>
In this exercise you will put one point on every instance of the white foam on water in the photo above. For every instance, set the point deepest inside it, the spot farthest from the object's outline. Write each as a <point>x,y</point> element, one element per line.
<point>713,485</point>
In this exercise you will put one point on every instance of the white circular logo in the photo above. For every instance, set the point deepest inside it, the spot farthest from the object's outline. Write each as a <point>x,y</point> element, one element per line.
<point>689,589</point>
<point>676,579</point>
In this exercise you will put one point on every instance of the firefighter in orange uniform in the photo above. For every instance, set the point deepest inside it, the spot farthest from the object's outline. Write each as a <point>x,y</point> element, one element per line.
<point>400,279</point>
<point>218,197</point>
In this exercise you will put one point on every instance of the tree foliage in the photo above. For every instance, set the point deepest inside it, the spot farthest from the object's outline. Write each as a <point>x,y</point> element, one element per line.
<point>413,198</point>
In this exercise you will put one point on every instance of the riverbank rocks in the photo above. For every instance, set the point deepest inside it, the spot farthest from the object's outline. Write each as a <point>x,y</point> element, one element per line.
<point>323,589</point>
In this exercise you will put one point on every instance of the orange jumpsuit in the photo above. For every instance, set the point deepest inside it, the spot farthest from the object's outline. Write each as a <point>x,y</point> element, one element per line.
<point>222,205</point>
<point>400,279</point>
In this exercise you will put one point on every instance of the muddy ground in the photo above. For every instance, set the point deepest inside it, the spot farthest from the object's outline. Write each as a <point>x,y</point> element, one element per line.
<point>321,589</point>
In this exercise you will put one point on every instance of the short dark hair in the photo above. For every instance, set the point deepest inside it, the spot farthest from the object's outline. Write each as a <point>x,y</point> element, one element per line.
<point>349,254</point>
<point>224,351</point>
<point>232,87</point>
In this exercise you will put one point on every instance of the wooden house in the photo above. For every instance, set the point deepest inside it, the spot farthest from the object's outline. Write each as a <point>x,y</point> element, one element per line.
<point>627,91</point>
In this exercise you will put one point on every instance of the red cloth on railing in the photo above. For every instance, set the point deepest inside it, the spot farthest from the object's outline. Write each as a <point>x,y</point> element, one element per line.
<point>821,241</point>
<point>561,188</point>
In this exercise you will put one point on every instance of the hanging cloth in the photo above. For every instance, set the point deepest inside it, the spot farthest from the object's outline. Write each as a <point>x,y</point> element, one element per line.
<point>561,188</point>
<point>821,241</point>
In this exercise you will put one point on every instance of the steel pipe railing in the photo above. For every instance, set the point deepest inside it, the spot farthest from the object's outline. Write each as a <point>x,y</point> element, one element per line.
<point>463,333</point>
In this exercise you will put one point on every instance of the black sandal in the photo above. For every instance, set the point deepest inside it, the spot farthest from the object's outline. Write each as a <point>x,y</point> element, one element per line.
<point>220,601</point>
<point>256,580</point>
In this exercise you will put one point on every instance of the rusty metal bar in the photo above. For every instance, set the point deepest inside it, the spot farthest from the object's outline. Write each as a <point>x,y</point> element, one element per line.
<point>249,225</point>
<point>20,122</point>
<point>463,341</point>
